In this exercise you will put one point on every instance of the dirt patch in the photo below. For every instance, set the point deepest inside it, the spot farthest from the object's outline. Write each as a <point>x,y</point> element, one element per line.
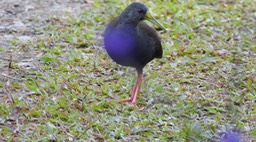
<point>22,19</point>
<point>20,22</point>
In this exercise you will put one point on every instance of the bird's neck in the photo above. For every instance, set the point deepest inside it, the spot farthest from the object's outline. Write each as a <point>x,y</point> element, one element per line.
<point>128,20</point>
<point>127,27</point>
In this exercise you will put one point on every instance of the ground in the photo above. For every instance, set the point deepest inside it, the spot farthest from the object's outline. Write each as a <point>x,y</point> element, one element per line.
<point>58,84</point>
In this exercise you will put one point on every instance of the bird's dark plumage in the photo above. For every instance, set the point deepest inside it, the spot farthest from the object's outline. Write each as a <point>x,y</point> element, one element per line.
<point>131,42</point>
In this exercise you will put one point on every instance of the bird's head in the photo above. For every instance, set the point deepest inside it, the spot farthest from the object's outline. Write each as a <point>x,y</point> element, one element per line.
<point>136,12</point>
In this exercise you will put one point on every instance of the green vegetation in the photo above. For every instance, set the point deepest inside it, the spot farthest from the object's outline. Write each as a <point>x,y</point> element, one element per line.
<point>204,84</point>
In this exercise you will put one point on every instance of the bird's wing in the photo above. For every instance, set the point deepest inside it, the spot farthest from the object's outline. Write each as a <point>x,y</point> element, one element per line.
<point>152,34</point>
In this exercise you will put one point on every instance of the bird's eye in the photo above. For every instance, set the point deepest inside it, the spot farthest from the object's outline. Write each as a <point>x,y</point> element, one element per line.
<point>140,11</point>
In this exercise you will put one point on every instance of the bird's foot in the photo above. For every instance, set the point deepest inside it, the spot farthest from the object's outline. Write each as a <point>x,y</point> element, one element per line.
<point>134,104</point>
<point>127,100</point>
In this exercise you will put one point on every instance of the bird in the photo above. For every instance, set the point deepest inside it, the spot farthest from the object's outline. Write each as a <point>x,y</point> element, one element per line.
<point>131,42</point>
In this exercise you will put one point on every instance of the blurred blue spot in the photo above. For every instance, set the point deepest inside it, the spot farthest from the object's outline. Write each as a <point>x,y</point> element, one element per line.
<point>232,137</point>
<point>120,45</point>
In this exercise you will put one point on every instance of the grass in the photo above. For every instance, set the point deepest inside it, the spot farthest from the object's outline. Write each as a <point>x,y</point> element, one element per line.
<point>203,86</point>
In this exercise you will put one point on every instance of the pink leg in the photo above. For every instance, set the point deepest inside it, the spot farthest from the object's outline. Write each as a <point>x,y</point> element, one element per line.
<point>132,95</point>
<point>137,89</point>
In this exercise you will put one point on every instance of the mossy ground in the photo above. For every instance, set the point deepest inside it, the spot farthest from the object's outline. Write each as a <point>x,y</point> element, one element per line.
<point>63,83</point>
